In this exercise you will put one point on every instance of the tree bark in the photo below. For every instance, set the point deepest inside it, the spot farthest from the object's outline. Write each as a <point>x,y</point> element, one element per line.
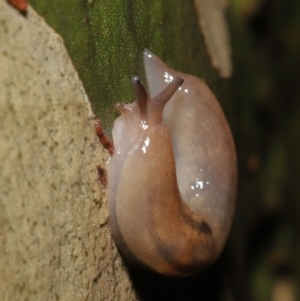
<point>54,240</point>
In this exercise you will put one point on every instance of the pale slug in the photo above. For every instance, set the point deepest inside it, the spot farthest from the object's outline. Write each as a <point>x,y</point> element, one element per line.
<point>172,178</point>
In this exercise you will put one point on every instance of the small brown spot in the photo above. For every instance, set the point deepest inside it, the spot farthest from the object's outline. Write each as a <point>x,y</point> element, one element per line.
<point>104,140</point>
<point>201,227</point>
<point>205,227</point>
<point>102,176</point>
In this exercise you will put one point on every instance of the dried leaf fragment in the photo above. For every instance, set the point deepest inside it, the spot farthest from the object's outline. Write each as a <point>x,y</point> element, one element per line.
<point>212,22</point>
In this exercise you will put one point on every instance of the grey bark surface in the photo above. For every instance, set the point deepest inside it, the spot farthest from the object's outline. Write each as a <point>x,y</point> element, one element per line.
<point>54,239</point>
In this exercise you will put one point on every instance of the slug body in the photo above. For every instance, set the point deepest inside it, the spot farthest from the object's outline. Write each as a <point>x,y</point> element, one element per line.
<point>172,178</point>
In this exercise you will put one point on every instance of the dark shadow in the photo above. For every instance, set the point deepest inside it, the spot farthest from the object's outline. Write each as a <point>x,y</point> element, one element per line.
<point>208,285</point>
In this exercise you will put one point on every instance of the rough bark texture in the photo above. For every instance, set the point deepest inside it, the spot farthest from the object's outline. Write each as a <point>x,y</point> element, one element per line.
<point>54,240</point>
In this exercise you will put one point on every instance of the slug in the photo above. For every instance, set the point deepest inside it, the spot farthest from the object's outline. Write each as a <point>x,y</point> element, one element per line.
<point>173,175</point>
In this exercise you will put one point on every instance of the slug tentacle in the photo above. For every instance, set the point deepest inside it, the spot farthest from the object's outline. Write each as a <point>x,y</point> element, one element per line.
<point>141,95</point>
<point>164,96</point>
<point>172,178</point>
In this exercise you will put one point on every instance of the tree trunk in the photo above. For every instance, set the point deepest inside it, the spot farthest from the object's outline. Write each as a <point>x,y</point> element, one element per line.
<point>54,240</point>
